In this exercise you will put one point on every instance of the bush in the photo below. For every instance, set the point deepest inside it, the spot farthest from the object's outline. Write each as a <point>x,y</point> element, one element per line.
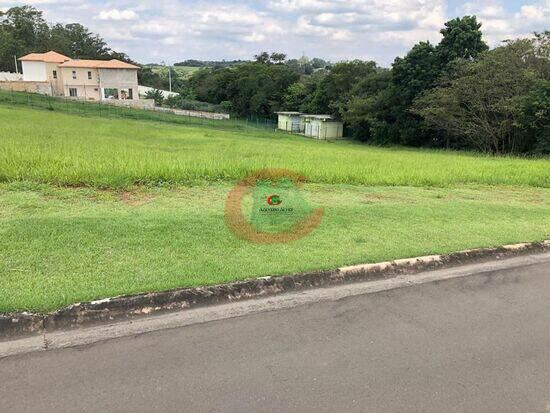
<point>156,95</point>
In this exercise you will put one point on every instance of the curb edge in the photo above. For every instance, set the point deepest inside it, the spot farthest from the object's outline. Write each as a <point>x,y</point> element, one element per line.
<point>126,307</point>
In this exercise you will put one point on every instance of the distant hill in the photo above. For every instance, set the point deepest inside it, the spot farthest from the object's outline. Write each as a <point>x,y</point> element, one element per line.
<point>209,63</point>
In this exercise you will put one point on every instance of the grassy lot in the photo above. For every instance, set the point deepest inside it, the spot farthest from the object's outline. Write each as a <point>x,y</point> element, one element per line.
<point>63,149</point>
<point>61,245</point>
<point>93,207</point>
<point>94,109</point>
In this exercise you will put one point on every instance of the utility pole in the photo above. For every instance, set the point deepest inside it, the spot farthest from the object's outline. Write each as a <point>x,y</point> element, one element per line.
<point>169,76</point>
<point>15,60</point>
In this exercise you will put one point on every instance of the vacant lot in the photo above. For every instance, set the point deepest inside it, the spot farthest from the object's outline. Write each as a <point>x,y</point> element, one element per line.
<point>110,153</point>
<point>94,207</point>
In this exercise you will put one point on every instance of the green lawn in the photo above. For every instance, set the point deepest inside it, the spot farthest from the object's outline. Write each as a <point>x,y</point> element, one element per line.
<point>93,207</point>
<point>63,149</point>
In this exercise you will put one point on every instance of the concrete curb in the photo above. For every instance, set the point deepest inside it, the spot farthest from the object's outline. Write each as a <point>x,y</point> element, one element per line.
<point>14,325</point>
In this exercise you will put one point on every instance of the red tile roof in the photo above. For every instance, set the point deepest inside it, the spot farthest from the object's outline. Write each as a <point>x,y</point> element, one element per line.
<point>99,64</point>
<point>54,57</point>
<point>48,57</point>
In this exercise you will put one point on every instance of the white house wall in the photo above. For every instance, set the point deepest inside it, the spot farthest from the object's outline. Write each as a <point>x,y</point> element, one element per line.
<point>34,71</point>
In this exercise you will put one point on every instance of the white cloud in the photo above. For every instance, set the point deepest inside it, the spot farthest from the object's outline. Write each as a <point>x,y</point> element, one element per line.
<point>499,24</point>
<point>333,29</point>
<point>116,14</point>
<point>254,38</point>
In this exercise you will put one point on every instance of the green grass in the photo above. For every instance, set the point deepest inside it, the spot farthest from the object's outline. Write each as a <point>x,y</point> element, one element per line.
<point>62,149</point>
<point>95,109</point>
<point>61,245</point>
<point>93,207</point>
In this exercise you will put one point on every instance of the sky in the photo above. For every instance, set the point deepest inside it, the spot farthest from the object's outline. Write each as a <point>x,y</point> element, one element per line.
<point>151,31</point>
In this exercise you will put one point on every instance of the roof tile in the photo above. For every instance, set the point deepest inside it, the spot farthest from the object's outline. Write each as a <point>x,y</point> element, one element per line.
<point>48,57</point>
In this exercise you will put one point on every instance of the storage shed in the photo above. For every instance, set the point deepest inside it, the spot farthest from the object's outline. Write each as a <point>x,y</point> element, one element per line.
<point>290,121</point>
<point>322,127</point>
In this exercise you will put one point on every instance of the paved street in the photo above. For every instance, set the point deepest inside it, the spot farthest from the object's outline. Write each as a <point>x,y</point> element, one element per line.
<point>474,344</point>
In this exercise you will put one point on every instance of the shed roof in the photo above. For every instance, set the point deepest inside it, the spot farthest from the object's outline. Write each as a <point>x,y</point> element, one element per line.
<point>321,117</point>
<point>289,113</point>
<point>48,57</point>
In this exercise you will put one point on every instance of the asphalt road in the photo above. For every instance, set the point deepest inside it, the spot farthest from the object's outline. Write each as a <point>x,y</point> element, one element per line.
<point>474,344</point>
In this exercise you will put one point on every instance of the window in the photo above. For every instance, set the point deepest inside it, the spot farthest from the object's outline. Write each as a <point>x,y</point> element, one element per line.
<point>74,74</point>
<point>110,93</point>
<point>126,94</point>
<point>89,75</point>
<point>72,92</point>
<point>55,74</point>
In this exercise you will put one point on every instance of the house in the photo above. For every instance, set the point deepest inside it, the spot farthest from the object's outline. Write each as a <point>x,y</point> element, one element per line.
<point>314,126</point>
<point>290,121</point>
<point>82,79</point>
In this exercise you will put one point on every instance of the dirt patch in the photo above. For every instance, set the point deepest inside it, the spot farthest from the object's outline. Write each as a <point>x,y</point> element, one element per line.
<point>135,198</point>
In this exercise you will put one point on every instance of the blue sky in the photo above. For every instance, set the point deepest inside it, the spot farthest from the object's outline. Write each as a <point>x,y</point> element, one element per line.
<point>174,30</point>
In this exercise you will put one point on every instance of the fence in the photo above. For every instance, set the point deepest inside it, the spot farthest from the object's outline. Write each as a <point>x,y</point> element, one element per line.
<point>88,108</point>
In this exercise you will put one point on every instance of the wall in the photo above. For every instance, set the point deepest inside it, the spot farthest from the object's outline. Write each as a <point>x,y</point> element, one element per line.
<point>57,84</point>
<point>119,78</point>
<point>290,123</point>
<point>331,130</point>
<point>34,71</point>
<point>194,113</point>
<point>10,77</point>
<point>165,93</point>
<point>32,87</point>
<point>138,104</point>
<point>81,76</point>
<point>284,122</point>
<point>87,89</point>
<point>83,92</point>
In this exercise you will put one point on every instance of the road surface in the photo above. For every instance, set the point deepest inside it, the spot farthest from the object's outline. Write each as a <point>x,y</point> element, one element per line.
<point>475,344</point>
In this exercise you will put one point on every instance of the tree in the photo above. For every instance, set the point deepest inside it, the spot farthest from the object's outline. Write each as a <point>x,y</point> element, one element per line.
<point>390,119</point>
<point>156,95</point>
<point>536,117</point>
<point>294,96</point>
<point>417,71</point>
<point>269,59</point>
<point>334,89</point>
<point>368,100</point>
<point>482,104</point>
<point>22,30</point>
<point>462,39</point>
<point>262,57</point>
<point>411,76</point>
<point>277,58</point>
<point>253,88</point>
<point>78,42</point>
<point>318,63</point>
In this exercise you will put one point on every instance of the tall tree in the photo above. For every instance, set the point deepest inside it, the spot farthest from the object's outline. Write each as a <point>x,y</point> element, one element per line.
<point>22,30</point>
<point>482,103</point>
<point>462,39</point>
<point>335,88</point>
<point>78,42</point>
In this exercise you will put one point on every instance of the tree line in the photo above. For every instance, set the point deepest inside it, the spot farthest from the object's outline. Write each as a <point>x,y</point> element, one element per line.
<point>23,30</point>
<point>456,94</point>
